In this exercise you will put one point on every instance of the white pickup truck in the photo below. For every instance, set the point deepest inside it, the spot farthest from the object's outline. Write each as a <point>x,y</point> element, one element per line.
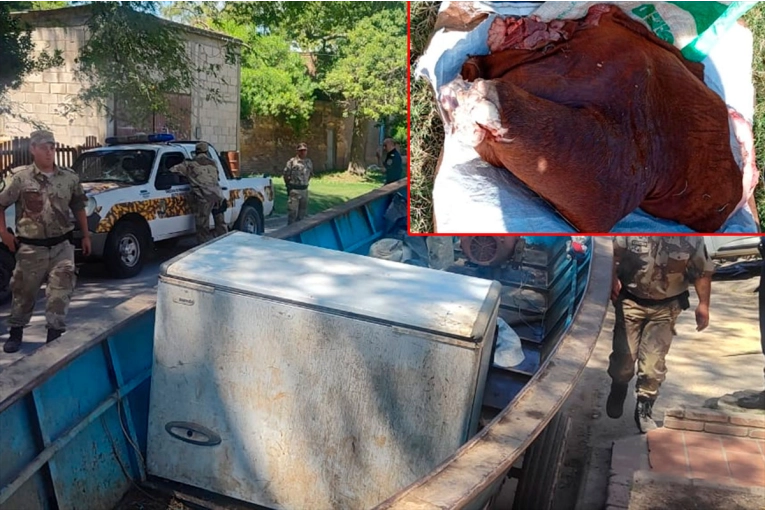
<point>134,200</point>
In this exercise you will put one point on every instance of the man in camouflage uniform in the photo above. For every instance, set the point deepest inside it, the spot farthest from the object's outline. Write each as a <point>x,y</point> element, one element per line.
<point>650,289</point>
<point>757,401</point>
<point>297,174</point>
<point>43,194</point>
<point>206,196</point>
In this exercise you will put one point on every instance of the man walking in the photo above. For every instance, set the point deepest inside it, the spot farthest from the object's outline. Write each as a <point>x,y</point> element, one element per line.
<point>297,174</point>
<point>393,167</point>
<point>43,194</point>
<point>206,196</point>
<point>650,289</point>
<point>757,401</point>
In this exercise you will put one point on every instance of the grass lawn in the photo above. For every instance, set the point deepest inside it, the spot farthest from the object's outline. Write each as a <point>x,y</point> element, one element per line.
<point>427,128</point>
<point>328,190</point>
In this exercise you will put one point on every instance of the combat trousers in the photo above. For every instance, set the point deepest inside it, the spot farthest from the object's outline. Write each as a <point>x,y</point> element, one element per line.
<point>33,264</point>
<point>297,205</point>
<point>642,334</point>
<point>202,210</point>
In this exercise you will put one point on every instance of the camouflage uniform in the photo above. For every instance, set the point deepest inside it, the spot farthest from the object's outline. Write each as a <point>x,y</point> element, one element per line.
<point>206,195</point>
<point>655,273</point>
<point>297,174</point>
<point>43,230</point>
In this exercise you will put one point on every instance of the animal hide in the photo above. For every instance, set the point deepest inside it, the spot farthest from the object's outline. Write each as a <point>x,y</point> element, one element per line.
<point>599,117</point>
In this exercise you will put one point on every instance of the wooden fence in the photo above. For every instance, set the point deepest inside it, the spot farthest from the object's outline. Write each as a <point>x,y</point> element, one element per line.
<point>15,153</point>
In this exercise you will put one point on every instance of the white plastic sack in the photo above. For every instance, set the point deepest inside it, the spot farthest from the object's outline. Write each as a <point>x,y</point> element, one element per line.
<point>390,249</point>
<point>508,352</point>
<point>440,251</point>
<point>693,27</point>
<point>470,195</point>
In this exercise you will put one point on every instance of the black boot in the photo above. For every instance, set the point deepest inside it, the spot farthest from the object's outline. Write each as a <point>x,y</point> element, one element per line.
<point>756,401</point>
<point>643,415</point>
<point>53,334</point>
<point>615,402</point>
<point>13,343</point>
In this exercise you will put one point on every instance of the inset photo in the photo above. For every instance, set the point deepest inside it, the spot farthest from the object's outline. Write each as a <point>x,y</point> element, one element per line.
<point>586,117</point>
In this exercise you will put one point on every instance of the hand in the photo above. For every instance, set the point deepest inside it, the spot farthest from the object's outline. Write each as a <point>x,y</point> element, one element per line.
<point>702,317</point>
<point>9,240</point>
<point>616,288</point>
<point>86,246</point>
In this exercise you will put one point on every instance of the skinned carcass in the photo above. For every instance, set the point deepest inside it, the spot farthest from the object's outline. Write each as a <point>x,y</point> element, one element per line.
<point>599,117</point>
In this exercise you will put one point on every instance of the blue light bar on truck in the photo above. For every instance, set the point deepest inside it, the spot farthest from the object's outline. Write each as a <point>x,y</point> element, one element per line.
<point>140,138</point>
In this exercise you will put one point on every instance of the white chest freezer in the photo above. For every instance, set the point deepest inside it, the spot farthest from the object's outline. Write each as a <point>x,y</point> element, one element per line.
<point>301,378</point>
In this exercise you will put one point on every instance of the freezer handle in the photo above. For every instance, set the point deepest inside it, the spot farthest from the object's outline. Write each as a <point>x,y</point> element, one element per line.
<point>192,433</point>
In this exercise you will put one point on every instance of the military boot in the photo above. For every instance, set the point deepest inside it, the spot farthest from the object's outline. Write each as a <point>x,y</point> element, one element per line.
<point>53,334</point>
<point>644,415</point>
<point>13,343</point>
<point>756,401</point>
<point>615,402</point>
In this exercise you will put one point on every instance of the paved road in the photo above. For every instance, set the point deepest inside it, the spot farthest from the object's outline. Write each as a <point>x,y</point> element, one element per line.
<point>96,293</point>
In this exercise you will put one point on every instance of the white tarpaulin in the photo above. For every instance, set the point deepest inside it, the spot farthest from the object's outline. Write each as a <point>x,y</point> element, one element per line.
<point>471,196</point>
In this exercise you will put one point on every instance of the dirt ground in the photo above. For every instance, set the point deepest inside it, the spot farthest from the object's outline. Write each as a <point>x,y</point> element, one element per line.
<point>724,358</point>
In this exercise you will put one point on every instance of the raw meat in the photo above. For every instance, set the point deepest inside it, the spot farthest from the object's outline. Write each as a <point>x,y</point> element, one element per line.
<point>599,116</point>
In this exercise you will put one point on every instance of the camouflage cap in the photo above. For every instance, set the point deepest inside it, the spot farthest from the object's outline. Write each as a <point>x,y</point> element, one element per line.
<point>302,147</point>
<point>201,148</point>
<point>40,137</point>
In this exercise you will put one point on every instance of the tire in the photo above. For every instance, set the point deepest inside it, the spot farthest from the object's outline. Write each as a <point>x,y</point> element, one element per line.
<point>126,249</point>
<point>7,264</point>
<point>250,220</point>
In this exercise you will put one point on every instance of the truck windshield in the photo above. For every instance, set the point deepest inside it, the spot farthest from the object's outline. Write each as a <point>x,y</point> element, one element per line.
<point>130,166</point>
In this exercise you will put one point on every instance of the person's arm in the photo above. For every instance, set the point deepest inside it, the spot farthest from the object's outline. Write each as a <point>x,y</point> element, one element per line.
<point>77,205</point>
<point>703,286</point>
<point>705,267</point>
<point>8,197</point>
<point>620,244</point>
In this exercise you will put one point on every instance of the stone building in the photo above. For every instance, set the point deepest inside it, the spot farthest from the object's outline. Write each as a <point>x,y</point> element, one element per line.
<point>44,95</point>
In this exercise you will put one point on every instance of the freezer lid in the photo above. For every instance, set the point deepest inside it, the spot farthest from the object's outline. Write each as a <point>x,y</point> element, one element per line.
<point>409,296</point>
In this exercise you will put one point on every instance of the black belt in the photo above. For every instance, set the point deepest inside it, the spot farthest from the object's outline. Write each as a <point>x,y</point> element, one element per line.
<point>48,242</point>
<point>297,187</point>
<point>655,302</point>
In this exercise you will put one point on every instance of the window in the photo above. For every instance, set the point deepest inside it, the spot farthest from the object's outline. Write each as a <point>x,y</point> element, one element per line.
<point>177,122</point>
<point>164,176</point>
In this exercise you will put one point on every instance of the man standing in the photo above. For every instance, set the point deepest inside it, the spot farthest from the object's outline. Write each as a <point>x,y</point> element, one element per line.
<point>297,174</point>
<point>757,401</point>
<point>206,196</point>
<point>650,289</point>
<point>43,194</point>
<point>392,163</point>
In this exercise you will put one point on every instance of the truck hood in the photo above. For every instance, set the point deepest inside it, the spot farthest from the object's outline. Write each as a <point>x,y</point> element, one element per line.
<point>96,188</point>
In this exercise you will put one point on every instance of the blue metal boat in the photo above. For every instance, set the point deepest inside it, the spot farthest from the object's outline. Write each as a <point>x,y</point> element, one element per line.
<point>74,414</point>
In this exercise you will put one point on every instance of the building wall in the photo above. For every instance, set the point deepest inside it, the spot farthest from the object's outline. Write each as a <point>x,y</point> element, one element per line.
<point>43,96</point>
<point>268,144</point>
<point>216,123</point>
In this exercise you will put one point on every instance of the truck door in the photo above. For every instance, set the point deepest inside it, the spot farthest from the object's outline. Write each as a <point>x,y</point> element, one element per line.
<point>171,193</point>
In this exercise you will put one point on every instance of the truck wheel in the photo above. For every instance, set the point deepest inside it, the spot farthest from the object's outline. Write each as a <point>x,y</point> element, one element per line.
<point>7,264</point>
<point>126,249</point>
<point>250,220</point>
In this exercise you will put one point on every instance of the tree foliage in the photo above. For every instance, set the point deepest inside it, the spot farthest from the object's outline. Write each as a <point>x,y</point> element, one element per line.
<point>18,59</point>
<point>275,81</point>
<point>370,74</point>
<point>138,58</point>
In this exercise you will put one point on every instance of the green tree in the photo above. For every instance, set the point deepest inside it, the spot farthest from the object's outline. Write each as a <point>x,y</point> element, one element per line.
<point>320,28</point>
<point>18,57</point>
<point>275,81</point>
<point>369,76</point>
<point>137,58</point>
